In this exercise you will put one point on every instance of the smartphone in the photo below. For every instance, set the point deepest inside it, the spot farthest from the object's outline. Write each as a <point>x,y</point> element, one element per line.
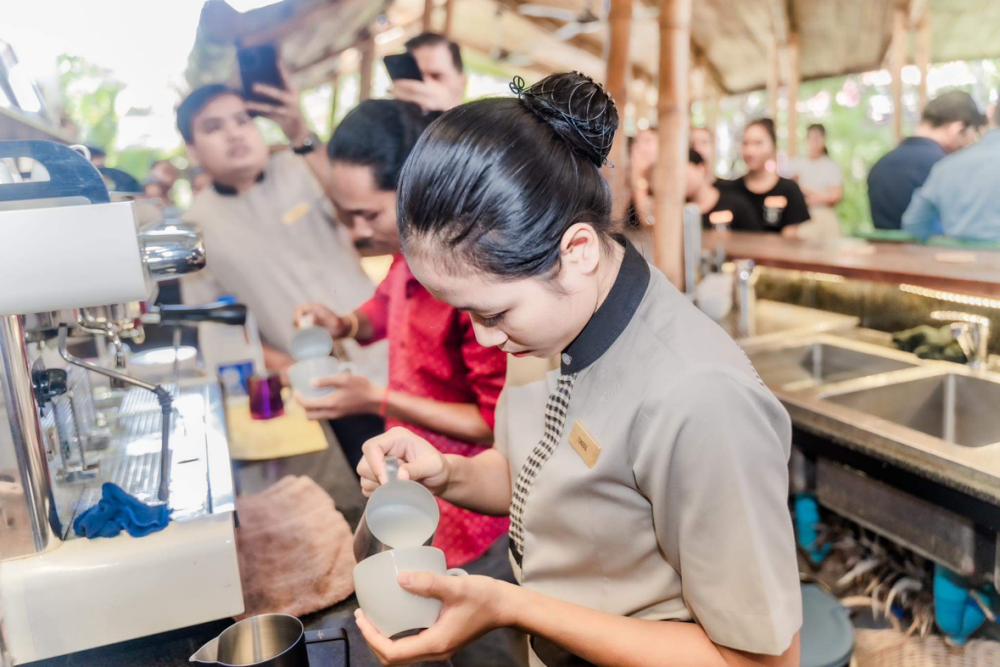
<point>403,66</point>
<point>259,64</point>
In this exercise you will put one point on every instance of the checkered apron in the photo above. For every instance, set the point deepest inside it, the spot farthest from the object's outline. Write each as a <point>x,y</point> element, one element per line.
<point>556,410</point>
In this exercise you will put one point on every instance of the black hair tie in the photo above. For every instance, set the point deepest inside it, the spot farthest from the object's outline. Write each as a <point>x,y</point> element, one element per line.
<point>517,86</point>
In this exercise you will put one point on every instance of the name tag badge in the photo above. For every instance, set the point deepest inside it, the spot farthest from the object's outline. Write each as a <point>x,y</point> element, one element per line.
<point>292,215</point>
<point>584,444</point>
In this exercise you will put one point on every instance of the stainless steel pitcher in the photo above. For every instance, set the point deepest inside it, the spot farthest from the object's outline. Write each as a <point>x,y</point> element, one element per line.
<point>268,640</point>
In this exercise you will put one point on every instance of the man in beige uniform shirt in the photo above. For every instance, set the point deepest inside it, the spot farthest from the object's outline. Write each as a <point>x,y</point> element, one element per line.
<point>270,235</point>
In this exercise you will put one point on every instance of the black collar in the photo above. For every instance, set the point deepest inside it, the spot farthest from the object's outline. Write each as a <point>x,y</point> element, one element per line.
<point>614,314</point>
<point>229,190</point>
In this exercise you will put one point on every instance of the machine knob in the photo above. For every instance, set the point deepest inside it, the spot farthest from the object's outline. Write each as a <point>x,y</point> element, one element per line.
<point>49,383</point>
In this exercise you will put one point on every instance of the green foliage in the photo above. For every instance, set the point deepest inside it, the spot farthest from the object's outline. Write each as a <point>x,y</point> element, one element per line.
<point>89,93</point>
<point>855,140</point>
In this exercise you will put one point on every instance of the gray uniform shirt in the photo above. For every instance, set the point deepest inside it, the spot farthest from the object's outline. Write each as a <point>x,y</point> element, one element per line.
<point>278,245</point>
<point>684,514</point>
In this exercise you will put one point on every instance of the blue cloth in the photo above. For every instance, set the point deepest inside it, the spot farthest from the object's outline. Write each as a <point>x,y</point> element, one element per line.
<point>118,510</point>
<point>961,197</point>
<point>893,179</point>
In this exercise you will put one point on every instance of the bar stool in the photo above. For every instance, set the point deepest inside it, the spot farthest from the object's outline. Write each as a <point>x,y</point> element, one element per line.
<point>827,635</point>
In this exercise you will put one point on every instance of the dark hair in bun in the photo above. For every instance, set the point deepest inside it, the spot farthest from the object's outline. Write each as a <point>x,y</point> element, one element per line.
<point>498,181</point>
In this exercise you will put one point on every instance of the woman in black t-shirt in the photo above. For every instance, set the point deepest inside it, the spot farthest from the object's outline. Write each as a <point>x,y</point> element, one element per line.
<point>720,206</point>
<point>777,202</point>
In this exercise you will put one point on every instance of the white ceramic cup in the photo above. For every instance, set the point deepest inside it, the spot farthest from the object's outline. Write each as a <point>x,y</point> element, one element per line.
<point>310,342</point>
<point>714,295</point>
<point>303,373</point>
<point>393,611</point>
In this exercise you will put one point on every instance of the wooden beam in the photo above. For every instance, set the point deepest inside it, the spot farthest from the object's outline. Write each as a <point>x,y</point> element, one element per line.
<point>671,167</point>
<point>449,17</point>
<point>699,78</point>
<point>773,77</point>
<point>428,23</point>
<point>367,63</point>
<point>780,20</point>
<point>897,58</point>
<point>616,83</point>
<point>792,51</point>
<point>334,97</point>
<point>923,57</point>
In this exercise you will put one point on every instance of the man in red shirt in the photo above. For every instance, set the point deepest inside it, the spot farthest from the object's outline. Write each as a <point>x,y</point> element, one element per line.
<point>442,383</point>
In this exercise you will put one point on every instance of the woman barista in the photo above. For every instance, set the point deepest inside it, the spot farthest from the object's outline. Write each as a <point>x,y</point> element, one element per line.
<point>645,473</point>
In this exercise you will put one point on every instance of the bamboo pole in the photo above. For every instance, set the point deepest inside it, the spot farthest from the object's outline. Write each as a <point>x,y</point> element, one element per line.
<point>793,94</point>
<point>334,97</point>
<point>923,57</point>
<point>449,17</point>
<point>616,82</point>
<point>367,63</point>
<point>671,167</point>
<point>773,77</point>
<point>897,58</point>
<point>428,22</point>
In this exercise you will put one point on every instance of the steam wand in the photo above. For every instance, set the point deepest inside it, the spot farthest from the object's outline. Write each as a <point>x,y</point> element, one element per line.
<point>162,396</point>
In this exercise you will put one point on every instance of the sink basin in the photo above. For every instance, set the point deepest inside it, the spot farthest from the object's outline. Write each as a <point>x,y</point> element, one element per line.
<point>960,409</point>
<point>818,363</point>
<point>775,321</point>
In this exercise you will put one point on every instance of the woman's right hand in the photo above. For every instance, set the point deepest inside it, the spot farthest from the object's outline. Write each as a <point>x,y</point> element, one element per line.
<point>419,460</point>
<point>322,316</point>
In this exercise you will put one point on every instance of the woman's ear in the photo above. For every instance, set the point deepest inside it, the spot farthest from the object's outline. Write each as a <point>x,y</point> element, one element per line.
<point>580,247</point>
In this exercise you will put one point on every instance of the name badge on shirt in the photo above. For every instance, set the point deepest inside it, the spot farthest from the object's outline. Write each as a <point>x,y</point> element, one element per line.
<point>292,215</point>
<point>584,444</point>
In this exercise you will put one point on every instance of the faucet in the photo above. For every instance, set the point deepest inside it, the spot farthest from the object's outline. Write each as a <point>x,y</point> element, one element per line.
<point>972,332</point>
<point>746,297</point>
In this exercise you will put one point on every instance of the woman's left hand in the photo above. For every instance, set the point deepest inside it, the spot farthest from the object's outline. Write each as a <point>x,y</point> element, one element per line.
<point>354,395</point>
<point>472,607</point>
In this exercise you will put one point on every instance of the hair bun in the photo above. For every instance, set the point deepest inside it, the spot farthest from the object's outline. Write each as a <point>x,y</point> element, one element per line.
<point>577,108</point>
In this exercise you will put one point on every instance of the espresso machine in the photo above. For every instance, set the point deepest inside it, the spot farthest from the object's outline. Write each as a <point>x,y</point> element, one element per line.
<point>78,272</point>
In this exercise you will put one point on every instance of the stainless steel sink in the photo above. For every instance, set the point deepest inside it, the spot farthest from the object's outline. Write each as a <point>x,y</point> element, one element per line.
<point>777,322</point>
<point>822,362</point>
<point>956,407</point>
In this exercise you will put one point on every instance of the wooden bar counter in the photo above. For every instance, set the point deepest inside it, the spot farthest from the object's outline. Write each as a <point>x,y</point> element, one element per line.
<point>965,271</point>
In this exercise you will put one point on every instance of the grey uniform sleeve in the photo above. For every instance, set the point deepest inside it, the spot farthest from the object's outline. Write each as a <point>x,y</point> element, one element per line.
<point>713,460</point>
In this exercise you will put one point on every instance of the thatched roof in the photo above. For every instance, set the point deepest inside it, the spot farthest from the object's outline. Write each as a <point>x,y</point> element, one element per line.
<point>730,36</point>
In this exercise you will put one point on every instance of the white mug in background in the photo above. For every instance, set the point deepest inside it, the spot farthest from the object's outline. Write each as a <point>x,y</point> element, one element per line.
<point>310,341</point>
<point>303,373</point>
<point>714,295</point>
<point>393,611</point>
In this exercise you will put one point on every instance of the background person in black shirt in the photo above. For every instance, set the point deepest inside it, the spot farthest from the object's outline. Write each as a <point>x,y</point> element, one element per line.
<point>719,206</point>
<point>778,203</point>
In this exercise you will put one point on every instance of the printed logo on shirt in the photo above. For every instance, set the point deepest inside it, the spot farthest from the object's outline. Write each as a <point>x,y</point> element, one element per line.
<point>584,444</point>
<point>773,207</point>
<point>295,213</point>
<point>720,217</point>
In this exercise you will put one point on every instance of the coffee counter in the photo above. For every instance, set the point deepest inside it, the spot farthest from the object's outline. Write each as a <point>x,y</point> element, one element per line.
<point>966,271</point>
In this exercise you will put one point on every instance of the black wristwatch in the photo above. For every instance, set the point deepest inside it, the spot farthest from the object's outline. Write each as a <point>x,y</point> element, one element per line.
<point>308,146</point>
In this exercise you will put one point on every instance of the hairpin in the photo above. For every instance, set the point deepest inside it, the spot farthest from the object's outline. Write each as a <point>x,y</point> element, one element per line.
<point>517,86</point>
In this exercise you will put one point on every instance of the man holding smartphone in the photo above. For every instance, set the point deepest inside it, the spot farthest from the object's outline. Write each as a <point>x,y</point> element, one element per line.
<point>268,226</point>
<point>440,63</point>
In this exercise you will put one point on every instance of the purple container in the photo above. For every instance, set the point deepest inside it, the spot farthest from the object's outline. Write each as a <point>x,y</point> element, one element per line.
<point>265,396</point>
